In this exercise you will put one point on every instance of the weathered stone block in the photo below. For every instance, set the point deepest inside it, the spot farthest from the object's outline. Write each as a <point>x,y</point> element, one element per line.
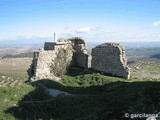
<point>110,58</point>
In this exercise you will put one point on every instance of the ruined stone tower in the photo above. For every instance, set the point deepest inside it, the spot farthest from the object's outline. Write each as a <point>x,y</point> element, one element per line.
<point>57,57</point>
<point>110,58</point>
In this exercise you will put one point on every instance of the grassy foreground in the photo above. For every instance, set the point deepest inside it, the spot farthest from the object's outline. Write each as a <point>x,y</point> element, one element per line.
<point>95,97</point>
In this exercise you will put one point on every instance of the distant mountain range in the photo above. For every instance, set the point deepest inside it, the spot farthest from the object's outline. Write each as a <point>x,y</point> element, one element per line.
<point>25,42</point>
<point>30,45</point>
<point>141,44</point>
<point>136,48</point>
<point>36,41</point>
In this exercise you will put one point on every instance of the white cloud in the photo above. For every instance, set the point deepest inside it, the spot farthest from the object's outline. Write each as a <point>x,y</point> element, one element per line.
<point>84,29</point>
<point>155,24</point>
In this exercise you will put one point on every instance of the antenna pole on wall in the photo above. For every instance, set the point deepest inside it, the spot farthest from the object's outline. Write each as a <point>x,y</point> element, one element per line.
<point>54,37</point>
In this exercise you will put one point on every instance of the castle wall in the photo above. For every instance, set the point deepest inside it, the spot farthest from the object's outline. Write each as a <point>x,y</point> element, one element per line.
<point>81,55</point>
<point>40,67</point>
<point>56,59</point>
<point>110,58</point>
<point>82,60</point>
<point>49,45</point>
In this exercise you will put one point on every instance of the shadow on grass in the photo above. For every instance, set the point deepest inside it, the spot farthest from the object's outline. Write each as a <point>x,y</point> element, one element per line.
<point>75,71</point>
<point>109,101</point>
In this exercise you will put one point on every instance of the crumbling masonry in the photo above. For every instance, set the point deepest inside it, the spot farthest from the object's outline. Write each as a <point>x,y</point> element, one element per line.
<point>110,59</point>
<point>58,57</point>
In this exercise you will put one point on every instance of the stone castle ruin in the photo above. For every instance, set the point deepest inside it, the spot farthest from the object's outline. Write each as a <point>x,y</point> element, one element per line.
<point>58,57</point>
<point>110,58</point>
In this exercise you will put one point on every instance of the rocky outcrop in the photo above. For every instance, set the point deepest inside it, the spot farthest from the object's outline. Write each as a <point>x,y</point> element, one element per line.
<point>57,58</point>
<point>110,58</point>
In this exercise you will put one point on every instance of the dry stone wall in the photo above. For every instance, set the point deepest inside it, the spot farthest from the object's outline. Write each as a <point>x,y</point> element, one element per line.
<point>110,58</point>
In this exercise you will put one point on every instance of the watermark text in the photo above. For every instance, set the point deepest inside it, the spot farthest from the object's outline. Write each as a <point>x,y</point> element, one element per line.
<point>141,115</point>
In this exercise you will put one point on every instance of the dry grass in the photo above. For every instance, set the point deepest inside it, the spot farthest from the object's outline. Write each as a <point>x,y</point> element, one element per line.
<point>145,69</point>
<point>15,65</point>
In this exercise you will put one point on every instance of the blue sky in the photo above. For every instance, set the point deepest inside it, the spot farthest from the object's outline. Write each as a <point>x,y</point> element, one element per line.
<point>93,20</point>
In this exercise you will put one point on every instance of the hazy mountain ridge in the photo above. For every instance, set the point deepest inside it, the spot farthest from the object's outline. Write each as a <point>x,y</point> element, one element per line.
<point>142,51</point>
<point>132,48</point>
